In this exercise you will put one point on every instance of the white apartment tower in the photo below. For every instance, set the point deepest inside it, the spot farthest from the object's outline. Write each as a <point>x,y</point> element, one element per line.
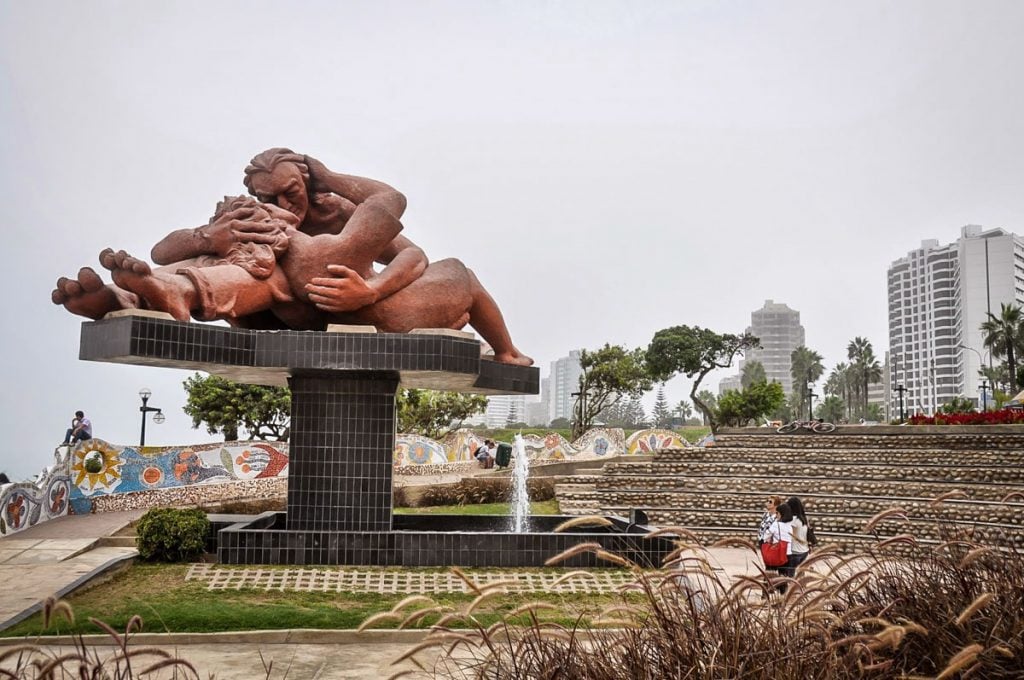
<point>938,298</point>
<point>780,332</point>
<point>565,379</point>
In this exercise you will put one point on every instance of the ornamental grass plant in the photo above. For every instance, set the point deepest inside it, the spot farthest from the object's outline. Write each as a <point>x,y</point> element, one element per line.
<point>900,610</point>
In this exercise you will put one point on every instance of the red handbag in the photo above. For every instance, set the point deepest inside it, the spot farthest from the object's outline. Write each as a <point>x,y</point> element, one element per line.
<point>774,554</point>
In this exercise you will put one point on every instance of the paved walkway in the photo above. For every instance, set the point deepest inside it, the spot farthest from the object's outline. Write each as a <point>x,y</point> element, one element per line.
<point>58,556</point>
<point>54,558</point>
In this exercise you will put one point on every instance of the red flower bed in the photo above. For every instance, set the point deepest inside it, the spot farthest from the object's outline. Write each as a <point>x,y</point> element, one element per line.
<point>1005,416</point>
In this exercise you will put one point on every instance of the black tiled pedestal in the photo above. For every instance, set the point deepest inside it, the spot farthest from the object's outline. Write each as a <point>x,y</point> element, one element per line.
<point>343,438</point>
<point>341,450</point>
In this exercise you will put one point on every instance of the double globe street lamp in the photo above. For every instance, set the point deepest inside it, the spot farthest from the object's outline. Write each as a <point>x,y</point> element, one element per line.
<point>158,416</point>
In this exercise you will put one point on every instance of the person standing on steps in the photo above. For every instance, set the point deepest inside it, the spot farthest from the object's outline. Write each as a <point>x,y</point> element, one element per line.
<point>80,430</point>
<point>801,544</point>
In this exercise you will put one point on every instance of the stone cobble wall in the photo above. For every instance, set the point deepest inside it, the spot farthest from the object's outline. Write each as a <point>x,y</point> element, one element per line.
<point>192,496</point>
<point>433,469</point>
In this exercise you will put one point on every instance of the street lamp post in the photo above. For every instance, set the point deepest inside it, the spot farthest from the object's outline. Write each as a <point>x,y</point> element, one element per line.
<point>901,389</point>
<point>581,404</point>
<point>981,365</point>
<point>810,403</point>
<point>984,395</point>
<point>158,416</point>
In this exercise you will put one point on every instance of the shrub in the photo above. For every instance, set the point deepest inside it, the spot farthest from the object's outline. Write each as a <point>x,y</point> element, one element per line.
<point>172,535</point>
<point>475,491</point>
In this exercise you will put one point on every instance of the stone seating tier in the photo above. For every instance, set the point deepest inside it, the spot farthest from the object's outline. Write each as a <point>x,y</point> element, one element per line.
<point>947,474</point>
<point>815,455</point>
<point>802,486</point>
<point>844,480</point>
<point>948,438</point>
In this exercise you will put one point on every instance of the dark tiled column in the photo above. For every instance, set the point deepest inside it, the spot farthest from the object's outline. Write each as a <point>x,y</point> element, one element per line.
<point>342,451</point>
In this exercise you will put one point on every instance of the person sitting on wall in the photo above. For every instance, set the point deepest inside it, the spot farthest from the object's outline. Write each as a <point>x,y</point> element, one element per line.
<point>80,430</point>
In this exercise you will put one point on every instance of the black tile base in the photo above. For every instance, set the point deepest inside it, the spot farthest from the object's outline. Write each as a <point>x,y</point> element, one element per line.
<point>341,451</point>
<point>433,541</point>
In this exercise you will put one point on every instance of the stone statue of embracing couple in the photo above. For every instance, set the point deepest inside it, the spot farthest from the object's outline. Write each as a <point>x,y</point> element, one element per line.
<point>299,255</point>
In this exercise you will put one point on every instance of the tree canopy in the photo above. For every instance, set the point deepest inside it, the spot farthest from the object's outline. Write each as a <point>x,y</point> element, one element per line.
<point>608,374</point>
<point>695,352</point>
<point>224,407</point>
<point>434,414</point>
<point>738,407</point>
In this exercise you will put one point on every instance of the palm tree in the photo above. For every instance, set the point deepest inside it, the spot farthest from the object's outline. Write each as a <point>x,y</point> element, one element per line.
<point>838,384</point>
<point>865,367</point>
<point>805,368</point>
<point>684,409</point>
<point>1002,334</point>
<point>752,374</point>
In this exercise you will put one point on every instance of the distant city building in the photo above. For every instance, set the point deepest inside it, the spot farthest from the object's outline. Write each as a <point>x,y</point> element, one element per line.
<point>780,332</point>
<point>938,298</point>
<point>731,382</point>
<point>564,380</point>
<point>538,413</point>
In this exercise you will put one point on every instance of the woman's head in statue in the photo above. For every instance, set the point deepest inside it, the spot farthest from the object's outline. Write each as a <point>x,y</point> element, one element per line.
<point>280,176</point>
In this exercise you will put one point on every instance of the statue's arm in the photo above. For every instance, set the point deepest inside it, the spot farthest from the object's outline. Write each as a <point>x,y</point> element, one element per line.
<point>179,245</point>
<point>358,190</point>
<point>404,263</point>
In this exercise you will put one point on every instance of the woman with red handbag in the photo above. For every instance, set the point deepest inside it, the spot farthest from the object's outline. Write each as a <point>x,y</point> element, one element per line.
<point>775,550</point>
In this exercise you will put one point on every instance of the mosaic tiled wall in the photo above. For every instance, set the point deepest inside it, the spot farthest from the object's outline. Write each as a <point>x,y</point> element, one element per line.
<point>97,469</point>
<point>24,504</point>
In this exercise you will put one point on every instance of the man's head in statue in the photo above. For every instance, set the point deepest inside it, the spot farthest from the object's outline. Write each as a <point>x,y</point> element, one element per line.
<point>281,177</point>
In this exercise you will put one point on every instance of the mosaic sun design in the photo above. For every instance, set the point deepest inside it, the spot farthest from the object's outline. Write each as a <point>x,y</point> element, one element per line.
<point>104,476</point>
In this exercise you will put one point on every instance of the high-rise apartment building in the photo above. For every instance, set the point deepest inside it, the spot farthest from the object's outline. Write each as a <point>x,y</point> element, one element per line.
<point>780,332</point>
<point>938,298</point>
<point>564,380</point>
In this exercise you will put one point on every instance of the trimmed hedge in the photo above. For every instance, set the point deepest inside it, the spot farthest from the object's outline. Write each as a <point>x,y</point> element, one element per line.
<point>172,534</point>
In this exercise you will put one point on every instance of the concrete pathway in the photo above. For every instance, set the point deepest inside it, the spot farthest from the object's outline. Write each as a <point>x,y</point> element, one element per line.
<point>58,556</point>
<point>55,558</point>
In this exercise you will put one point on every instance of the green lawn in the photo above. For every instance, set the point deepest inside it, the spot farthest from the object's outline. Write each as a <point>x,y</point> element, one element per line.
<point>168,603</point>
<point>536,508</point>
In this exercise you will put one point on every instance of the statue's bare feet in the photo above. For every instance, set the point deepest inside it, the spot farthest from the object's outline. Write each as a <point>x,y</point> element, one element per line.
<point>87,295</point>
<point>162,291</point>
<point>514,357</point>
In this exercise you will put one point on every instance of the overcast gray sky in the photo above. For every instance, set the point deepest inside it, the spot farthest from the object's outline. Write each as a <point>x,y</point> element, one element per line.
<point>607,168</point>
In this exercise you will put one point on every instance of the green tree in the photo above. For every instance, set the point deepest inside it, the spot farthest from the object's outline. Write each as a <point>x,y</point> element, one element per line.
<point>607,375</point>
<point>224,407</point>
<point>1004,334</point>
<point>695,352</point>
<point>958,404</point>
<point>662,414</point>
<point>560,424</point>
<point>738,407</point>
<point>753,372</point>
<point>805,368</point>
<point>831,409</point>
<point>434,414</point>
<point>711,400</point>
<point>634,414</point>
